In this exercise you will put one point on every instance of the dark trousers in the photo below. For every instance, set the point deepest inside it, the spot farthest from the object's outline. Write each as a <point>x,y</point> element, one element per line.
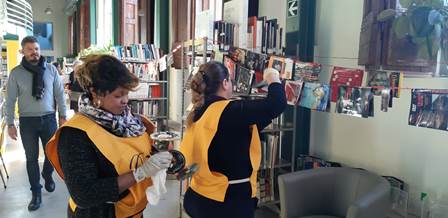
<point>235,205</point>
<point>31,129</point>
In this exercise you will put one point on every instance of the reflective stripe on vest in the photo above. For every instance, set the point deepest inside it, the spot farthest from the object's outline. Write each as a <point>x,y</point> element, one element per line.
<point>195,145</point>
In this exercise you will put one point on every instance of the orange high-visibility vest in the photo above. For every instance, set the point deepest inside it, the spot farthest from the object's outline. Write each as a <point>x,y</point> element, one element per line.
<point>120,152</point>
<point>195,145</point>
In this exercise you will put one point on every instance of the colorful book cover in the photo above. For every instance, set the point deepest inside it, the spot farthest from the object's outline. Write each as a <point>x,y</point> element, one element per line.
<point>278,63</point>
<point>344,76</point>
<point>429,108</point>
<point>315,96</point>
<point>293,89</point>
<point>308,72</point>
<point>230,64</point>
<point>255,61</point>
<point>244,80</point>
<point>379,80</point>
<point>396,81</point>
<point>358,102</point>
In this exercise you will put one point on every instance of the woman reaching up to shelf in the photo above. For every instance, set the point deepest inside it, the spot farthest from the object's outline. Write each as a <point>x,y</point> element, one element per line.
<point>222,137</point>
<point>103,152</point>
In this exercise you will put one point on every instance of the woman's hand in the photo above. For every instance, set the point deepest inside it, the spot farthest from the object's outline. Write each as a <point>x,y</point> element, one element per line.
<point>153,165</point>
<point>271,75</point>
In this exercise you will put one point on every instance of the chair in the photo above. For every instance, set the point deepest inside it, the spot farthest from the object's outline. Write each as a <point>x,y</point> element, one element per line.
<point>2,134</point>
<point>333,193</point>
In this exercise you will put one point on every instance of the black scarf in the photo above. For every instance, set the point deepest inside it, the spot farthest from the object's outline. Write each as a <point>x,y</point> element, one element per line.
<point>38,76</point>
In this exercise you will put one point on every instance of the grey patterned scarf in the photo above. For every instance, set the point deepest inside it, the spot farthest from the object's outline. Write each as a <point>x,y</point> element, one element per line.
<point>123,125</point>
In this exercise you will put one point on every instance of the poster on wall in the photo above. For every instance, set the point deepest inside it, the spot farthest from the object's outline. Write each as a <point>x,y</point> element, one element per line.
<point>429,108</point>
<point>44,35</point>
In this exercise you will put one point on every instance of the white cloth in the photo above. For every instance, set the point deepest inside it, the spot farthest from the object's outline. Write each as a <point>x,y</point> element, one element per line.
<point>158,187</point>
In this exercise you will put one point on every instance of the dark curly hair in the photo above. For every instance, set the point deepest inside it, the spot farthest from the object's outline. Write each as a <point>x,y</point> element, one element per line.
<point>206,82</point>
<point>104,74</point>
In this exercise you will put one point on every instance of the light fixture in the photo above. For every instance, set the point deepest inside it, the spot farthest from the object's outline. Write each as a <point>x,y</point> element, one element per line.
<point>48,11</point>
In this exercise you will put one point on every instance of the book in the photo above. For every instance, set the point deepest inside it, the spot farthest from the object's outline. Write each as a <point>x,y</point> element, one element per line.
<point>379,80</point>
<point>244,80</point>
<point>255,61</point>
<point>396,80</point>
<point>293,89</point>
<point>289,67</point>
<point>355,101</point>
<point>315,96</point>
<point>429,108</point>
<point>278,63</point>
<point>306,71</point>
<point>344,76</point>
<point>230,64</point>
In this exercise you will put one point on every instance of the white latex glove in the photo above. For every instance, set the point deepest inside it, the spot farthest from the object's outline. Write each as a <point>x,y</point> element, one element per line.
<point>153,165</point>
<point>271,75</point>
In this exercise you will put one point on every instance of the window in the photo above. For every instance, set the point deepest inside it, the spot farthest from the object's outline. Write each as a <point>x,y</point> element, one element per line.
<point>104,22</point>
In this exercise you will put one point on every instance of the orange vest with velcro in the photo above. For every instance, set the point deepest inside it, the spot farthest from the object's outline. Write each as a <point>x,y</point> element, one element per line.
<point>120,151</point>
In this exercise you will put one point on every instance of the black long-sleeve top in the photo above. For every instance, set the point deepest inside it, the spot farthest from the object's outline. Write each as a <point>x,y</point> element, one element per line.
<point>91,179</point>
<point>229,149</point>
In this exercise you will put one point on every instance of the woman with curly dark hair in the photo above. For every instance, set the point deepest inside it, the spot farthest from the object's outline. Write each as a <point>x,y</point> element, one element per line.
<point>103,152</point>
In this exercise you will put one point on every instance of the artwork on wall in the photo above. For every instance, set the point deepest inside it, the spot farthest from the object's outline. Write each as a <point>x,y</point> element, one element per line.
<point>44,34</point>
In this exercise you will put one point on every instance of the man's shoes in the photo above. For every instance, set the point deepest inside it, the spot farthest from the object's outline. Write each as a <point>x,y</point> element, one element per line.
<point>49,184</point>
<point>35,202</point>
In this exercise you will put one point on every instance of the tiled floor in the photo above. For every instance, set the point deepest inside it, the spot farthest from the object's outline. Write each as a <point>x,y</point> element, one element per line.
<point>14,199</point>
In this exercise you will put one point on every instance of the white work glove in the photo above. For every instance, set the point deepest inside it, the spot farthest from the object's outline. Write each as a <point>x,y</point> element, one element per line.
<point>153,165</point>
<point>271,75</point>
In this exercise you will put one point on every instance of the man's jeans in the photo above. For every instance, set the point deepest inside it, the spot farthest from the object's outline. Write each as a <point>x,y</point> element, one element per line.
<point>31,129</point>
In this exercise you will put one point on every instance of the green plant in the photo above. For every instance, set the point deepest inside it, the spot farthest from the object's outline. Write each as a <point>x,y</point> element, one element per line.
<point>94,49</point>
<point>422,22</point>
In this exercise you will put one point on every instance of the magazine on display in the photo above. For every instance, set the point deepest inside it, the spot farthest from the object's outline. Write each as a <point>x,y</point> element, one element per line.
<point>396,81</point>
<point>238,55</point>
<point>386,99</point>
<point>293,89</point>
<point>379,80</point>
<point>244,80</point>
<point>278,63</point>
<point>255,61</point>
<point>231,66</point>
<point>356,101</point>
<point>344,76</point>
<point>429,108</point>
<point>367,104</point>
<point>308,72</point>
<point>315,96</point>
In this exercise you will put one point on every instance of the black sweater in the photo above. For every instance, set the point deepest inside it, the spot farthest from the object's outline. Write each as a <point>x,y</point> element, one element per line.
<point>229,149</point>
<point>91,179</point>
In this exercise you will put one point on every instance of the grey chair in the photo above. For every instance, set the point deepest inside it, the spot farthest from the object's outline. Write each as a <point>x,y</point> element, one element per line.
<point>333,193</point>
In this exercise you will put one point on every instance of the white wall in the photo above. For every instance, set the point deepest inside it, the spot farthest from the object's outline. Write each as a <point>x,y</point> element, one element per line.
<point>385,143</point>
<point>60,24</point>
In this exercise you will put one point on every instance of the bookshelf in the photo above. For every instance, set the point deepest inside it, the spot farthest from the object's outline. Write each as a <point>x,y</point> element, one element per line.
<point>151,96</point>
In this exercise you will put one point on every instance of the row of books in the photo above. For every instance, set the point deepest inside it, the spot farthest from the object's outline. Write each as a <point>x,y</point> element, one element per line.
<point>137,52</point>
<point>146,90</point>
<point>144,71</point>
<point>149,109</point>
<point>265,36</point>
<point>289,68</point>
<point>225,35</point>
